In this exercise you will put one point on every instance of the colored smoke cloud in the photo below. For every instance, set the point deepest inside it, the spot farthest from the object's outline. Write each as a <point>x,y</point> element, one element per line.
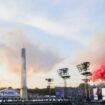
<point>94,52</point>
<point>98,74</point>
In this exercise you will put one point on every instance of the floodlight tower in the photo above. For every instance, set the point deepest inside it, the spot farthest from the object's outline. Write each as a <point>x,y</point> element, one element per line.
<point>49,80</point>
<point>84,70</point>
<point>63,73</point>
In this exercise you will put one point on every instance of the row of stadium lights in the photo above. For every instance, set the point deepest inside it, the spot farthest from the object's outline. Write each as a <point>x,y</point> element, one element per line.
<point>63,73</point>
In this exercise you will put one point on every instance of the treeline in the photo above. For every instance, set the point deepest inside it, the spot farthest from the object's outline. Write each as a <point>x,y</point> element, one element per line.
<point>44,91</point>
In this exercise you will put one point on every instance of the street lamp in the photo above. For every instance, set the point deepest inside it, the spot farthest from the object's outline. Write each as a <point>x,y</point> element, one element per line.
<point>63,73</point>
<point>49,80</point>
<point>84,70</point>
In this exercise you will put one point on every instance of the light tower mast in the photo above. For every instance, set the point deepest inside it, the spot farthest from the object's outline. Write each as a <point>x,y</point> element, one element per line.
<point>63,73</point>
<point>23,75</point>
<point>49,80</point>
<point>84,70</point>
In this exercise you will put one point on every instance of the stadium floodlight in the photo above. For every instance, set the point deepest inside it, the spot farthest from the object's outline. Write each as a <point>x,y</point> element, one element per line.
<point>84,70</point>
<point>49,80</point>
<point>83,67</point>
<point>63,73</point>
<point>80,68</point>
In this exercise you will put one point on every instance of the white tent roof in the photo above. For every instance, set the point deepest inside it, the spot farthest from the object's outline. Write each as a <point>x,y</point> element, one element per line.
<point>9,93</point>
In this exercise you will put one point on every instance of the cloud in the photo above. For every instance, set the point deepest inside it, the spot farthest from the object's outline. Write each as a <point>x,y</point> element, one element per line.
<point>39,57</point>
<point>8,10</point>
<point>56,2</point>
<point>41,22</point>
<point>61,27</point>
<point>70,23</point>
<point>54,28</point>
<point>47,25</point>
<point>94,52</point>
<point>4,14</point>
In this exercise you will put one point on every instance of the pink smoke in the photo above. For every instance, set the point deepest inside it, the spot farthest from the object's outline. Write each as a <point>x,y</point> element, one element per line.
<point>98,74</point>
